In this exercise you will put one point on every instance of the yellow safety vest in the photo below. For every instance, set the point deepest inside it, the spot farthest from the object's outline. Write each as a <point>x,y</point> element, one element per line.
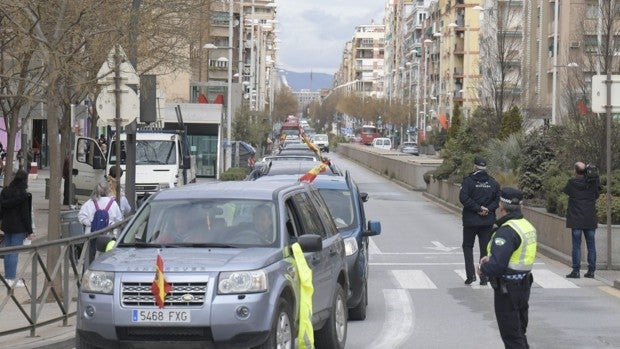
<point>305,336</point>
<point>522,259</point>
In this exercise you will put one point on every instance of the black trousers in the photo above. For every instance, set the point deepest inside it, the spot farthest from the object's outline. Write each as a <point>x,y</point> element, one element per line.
<point>511,312</point>
<point>469,237</point>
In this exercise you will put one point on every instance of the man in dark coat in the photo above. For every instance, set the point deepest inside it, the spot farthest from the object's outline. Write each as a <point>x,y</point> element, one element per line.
<point>582,191</point>
<point>479,196</point>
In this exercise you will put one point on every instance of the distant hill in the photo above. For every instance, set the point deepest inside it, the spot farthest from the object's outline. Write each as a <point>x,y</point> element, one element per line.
<point>298,81</point>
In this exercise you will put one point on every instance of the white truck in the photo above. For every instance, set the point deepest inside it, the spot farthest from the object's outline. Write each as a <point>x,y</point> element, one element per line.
<point>163,160</point>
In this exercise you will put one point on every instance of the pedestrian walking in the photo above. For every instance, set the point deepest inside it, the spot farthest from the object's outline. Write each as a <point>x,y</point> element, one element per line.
<point>87,212</point>
<point>16,203</point>
<point>583,190</point>
<point>113,184</point>
<point>479,196</point>
<point>508,265</point>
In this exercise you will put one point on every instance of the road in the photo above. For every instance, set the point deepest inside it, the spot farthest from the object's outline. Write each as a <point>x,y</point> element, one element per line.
<point>417,298</point>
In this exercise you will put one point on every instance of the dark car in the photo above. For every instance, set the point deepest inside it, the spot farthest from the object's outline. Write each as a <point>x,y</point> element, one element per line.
<point>409,148</point>
<point>232,278</point>
<point>346,205</point>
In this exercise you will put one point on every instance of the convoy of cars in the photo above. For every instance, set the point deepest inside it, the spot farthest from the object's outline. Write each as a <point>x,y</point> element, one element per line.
<point>231,283</point>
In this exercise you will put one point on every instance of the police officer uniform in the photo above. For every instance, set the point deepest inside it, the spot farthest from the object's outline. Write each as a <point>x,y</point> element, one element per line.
<point>511,254</point>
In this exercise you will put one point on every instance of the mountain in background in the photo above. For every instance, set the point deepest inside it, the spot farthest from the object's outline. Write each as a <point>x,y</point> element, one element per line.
<point>298,81</point>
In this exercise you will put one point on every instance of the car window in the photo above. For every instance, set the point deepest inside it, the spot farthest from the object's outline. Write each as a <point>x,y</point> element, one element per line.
<point>340,205</point>
<point>222,221</point>
<point>309,218</point>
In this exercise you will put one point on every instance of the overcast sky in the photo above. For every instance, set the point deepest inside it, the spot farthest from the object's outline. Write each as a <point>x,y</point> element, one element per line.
<point>313,32</point>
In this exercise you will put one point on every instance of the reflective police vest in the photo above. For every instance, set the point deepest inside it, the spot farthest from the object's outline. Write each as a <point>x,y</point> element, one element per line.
<point>523,257</point>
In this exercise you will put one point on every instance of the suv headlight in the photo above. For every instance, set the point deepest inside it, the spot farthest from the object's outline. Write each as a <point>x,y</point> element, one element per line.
<point>251,281</point>
<point>98,282</point>
<point>163,186</point>
<point>350,246</point>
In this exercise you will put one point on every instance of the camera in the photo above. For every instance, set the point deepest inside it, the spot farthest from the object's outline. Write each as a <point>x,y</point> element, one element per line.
<point>591,172</point>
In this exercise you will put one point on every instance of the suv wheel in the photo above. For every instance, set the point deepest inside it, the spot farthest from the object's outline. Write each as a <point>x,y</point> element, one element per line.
<point>281,335</point>
<point>333,335</point>
<point>359,312</point>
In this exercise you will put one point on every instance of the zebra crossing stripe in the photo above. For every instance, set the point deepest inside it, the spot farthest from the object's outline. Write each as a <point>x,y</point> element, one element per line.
<point>413,279</point>
<point>399,320</point>
<point>547,279</point>
<point>475,284</point>
<point>372,247</point>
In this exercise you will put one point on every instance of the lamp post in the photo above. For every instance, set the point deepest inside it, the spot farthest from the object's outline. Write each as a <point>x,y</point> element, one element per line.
<point>409,65</point>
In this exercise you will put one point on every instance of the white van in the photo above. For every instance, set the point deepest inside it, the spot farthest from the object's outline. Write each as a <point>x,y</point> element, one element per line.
<point>161,162</point>
<point>382,143</point>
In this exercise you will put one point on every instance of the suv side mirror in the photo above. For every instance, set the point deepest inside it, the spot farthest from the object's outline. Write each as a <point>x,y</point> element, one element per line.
<point>364,196</point>
<point>374,228</point>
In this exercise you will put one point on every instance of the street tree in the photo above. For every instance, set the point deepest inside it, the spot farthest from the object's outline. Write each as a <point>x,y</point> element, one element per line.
<point>285,104</point>
<point>500,54</point>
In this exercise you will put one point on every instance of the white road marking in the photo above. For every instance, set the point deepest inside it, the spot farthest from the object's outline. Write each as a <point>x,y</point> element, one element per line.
<point>475,284</point>
<point>372,247</point>
<point>441,247</point>
<point>399,320</point>
<point>413,279</point>
<point>547,279</point>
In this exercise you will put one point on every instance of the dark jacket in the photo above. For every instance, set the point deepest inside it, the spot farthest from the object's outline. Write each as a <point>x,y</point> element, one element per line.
<point>582,195</point>
<point>479,189</point>
<point>16,211</point>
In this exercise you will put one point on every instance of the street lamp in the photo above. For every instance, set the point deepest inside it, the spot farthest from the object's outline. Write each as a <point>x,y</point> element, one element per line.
<point>409,65</point>
<point>554,89</point>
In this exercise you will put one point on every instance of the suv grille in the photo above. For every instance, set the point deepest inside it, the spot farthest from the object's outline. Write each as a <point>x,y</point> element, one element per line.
<point>182,294</point>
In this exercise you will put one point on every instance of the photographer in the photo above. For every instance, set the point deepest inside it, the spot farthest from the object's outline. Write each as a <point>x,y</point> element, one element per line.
<point>583,191</point>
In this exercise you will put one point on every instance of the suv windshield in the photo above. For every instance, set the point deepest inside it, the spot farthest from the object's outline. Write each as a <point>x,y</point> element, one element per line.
<point>340,205</point>
<point>204,222</point>
<point>148,152</point>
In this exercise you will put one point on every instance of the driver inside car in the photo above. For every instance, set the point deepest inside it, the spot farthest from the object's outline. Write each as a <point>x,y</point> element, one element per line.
<point>263,222</point>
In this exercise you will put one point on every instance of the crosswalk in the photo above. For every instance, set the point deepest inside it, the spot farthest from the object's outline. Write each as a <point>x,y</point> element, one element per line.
<point>417,279</point>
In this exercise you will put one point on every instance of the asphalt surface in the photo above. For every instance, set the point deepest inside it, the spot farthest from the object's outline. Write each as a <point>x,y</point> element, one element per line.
<point>56,335</point>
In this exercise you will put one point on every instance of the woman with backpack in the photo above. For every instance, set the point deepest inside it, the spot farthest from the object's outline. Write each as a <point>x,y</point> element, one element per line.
<point>99,212</point>
<point>16,205</point>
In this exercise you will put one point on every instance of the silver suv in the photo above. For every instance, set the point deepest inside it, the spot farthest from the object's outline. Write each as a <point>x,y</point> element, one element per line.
<point>226,253</point>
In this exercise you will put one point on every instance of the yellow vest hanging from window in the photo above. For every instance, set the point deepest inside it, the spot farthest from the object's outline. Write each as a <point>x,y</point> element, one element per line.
<point>305,336</point>
<point>522,259</point>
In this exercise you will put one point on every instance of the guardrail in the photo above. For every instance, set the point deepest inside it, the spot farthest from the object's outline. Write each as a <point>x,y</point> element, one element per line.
<point>53,271</point>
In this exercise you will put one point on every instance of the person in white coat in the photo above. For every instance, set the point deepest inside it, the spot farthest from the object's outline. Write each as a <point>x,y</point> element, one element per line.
<point>87,212</point>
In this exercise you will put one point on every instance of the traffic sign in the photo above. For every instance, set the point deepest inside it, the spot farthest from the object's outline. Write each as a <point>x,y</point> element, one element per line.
<point>106,106</point>
<point>599,93</point>
<point>128,75</point>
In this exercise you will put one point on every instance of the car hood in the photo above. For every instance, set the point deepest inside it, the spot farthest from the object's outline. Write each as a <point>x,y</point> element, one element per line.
<point>186,259</point>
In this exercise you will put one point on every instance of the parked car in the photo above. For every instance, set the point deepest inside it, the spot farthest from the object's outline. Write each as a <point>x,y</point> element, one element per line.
<point>409,148</point>
<point>382,143</point>
<point>232,285</point>
<point>322,141</point>
<point>346,205</point>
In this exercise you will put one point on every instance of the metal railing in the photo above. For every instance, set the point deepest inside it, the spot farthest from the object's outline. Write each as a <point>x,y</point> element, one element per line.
<point>53,289</point>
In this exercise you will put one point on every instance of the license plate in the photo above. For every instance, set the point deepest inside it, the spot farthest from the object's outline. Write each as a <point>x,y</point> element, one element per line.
<point>160,315</point>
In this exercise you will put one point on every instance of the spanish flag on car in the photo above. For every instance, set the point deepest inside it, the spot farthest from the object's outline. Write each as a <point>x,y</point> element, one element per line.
<point>309,176</point>
<point>160,288</point>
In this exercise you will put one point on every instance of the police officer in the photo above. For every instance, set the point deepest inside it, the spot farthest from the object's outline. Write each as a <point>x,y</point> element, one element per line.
<point>508,265</point>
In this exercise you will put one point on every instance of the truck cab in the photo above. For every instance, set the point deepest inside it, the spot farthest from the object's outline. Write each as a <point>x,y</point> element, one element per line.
<point>162,161</point>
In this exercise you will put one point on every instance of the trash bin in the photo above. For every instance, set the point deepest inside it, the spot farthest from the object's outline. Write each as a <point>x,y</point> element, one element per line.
<point>70,226</point>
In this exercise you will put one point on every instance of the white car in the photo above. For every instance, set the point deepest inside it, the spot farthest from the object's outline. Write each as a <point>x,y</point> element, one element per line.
<point>382,143</point>
<point>322,141</point>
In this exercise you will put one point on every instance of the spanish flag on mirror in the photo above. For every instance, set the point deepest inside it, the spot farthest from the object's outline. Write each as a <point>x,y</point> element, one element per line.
<point>160,288</point>
<point>309,176</point>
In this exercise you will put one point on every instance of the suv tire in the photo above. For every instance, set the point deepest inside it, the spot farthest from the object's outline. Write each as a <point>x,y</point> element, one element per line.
<point>333,335</point>
<point>282,334</point>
